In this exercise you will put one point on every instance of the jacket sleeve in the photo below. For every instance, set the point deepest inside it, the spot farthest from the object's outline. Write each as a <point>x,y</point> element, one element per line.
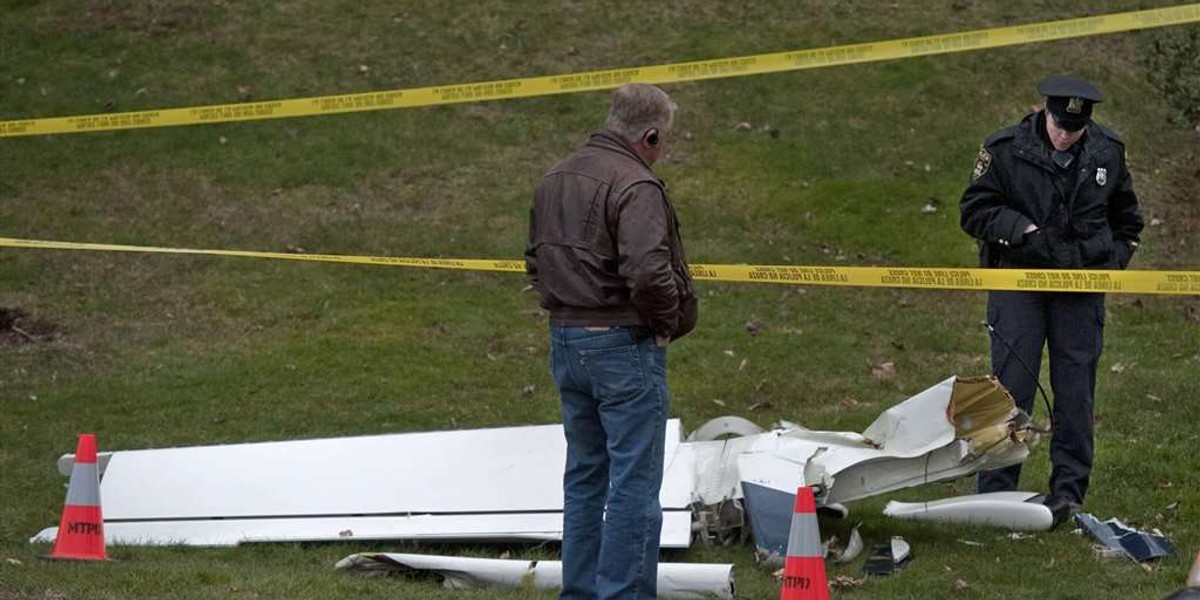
<point>531,268</point>
<point>1124,213</point>
<point>985,211</point>
<point>644,256</point>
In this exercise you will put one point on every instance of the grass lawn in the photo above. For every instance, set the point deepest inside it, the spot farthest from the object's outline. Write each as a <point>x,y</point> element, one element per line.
<point>834,169</point>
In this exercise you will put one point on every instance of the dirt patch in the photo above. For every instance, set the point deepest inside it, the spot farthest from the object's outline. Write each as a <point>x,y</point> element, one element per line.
<point>17,328</point>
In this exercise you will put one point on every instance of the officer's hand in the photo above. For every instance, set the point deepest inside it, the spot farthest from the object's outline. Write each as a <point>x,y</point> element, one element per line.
<point>1124,252</point>
<point>661,341</point>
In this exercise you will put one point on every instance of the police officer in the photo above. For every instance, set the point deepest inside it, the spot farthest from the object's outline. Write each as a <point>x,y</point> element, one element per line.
<point>1052,192</point>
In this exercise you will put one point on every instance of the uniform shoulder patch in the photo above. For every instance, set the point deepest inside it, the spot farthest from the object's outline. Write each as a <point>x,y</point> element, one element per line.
<point>982,164</point>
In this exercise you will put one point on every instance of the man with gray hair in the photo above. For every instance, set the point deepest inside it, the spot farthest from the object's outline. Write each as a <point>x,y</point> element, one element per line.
<point>605,255</point>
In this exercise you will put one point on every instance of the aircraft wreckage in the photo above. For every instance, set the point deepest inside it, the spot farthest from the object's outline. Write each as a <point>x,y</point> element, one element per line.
<point>505,484</point>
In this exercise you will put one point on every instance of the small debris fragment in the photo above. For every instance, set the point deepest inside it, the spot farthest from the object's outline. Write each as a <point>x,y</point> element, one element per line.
<point>960,585</point>
<point>529,390</point>
<point>882,370</point>
<point>743,126</point>
<point>753,327</point>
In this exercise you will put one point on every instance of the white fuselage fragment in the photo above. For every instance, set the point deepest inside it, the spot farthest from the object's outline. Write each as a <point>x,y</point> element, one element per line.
<point>1018,511</point>
<point>679,581</point>
<point>506,483</point>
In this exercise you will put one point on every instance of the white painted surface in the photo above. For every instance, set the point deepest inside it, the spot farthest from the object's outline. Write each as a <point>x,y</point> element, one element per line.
<point>676,581</point>
<point>484,483</point>
<point>1011,510</point>
<point>676,531</point>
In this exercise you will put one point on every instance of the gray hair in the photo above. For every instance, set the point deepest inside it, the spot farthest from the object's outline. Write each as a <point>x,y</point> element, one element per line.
<point>637,107</point>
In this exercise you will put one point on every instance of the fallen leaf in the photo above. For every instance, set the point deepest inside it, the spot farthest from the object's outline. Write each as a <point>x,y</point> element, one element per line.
<point>743,126</point>
<point>882,370</point>
<point>729,353</point>
<point>742,365</point>
<point>13,561</point>
<point>529,389</point>
<point>841,582</point>
<point>1153,398</point>
<point>1118,368</point>
<point>1164,484</point>
<point>961,585</point>
<point>718,402</point>
<point>760,404</point>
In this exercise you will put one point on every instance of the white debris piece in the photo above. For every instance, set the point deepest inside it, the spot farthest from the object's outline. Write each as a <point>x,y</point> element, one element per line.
<point>681,581</point>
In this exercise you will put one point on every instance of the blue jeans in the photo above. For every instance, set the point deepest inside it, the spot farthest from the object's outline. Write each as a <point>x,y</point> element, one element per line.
<point>614,405</point>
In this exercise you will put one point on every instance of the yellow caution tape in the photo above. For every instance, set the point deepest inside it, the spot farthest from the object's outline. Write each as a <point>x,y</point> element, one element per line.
<point>599,80</point>
<point>1179,283</point>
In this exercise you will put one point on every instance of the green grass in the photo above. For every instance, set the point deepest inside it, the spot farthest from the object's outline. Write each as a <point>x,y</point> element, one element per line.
<point>154,351</point>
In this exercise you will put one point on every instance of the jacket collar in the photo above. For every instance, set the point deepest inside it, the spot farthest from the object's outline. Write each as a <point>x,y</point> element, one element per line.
<point>610,140</point>
<point>1032,145</point>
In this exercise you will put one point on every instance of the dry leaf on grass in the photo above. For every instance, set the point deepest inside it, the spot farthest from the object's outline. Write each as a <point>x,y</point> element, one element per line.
<point>882,370</point>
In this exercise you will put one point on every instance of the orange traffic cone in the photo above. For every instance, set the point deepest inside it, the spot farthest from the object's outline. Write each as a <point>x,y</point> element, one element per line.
<point>804,567</point>
<point>81,531</point>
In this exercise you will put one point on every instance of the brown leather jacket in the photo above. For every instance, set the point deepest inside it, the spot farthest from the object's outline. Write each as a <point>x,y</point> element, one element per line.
<point>604,245</point>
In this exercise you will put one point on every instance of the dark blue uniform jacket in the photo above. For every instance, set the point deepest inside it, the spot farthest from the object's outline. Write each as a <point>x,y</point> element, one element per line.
<point>1088,213</point>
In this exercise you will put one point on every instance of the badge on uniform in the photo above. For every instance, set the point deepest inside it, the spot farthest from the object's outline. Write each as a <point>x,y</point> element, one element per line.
<point>1101,176</point>
<point>982,163</point>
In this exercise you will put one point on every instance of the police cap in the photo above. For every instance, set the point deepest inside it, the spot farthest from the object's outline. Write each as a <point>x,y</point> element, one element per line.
<point>1070,99</point>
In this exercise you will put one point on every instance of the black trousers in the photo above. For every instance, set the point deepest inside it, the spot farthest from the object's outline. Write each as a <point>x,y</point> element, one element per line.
<point>1071,326</point>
